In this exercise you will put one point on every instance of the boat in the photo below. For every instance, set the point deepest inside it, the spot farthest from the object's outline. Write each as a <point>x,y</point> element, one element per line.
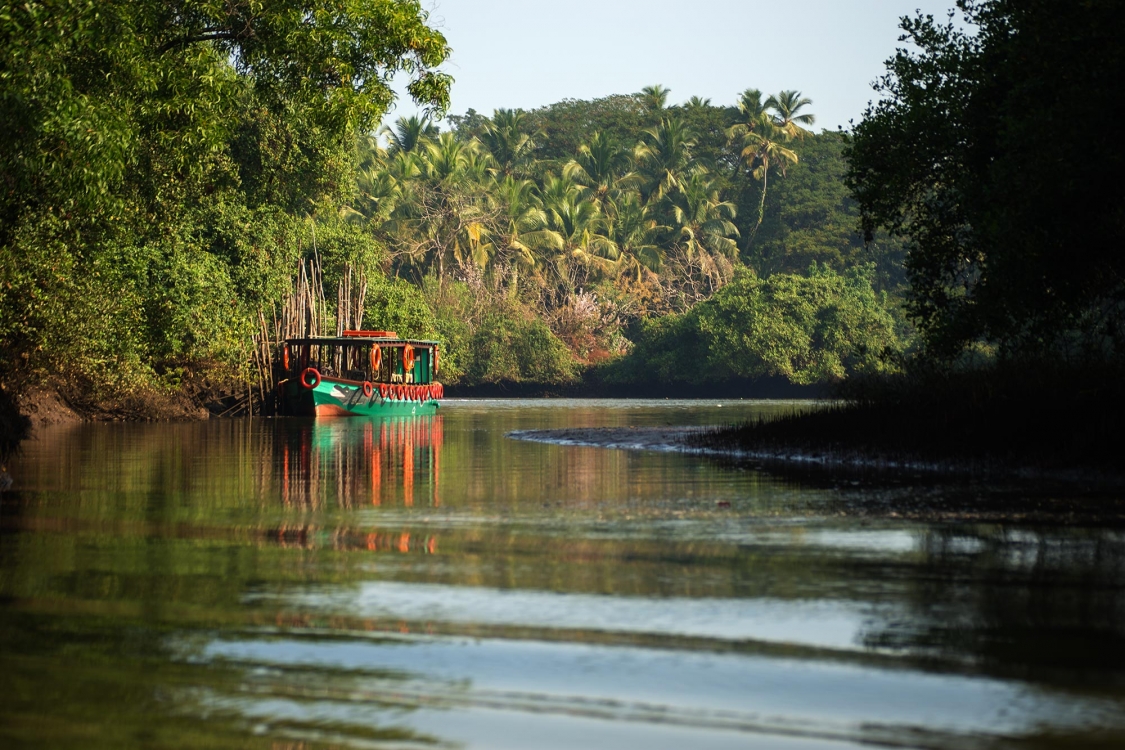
<point>358,374</point>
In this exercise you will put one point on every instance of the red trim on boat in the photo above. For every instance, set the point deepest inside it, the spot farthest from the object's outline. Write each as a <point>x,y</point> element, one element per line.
<point>332,410</point>
<point>372,334</point>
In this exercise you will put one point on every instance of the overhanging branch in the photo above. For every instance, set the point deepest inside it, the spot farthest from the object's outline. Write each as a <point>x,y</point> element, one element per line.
<point>207,35</point>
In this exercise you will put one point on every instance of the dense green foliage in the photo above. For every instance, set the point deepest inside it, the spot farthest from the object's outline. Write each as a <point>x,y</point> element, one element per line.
<point>602,219</point>
<point>164,168</point>
<point>157,161</point>
<point>1009,199</point>
<point>809,329</point>
<point>1010,206</point>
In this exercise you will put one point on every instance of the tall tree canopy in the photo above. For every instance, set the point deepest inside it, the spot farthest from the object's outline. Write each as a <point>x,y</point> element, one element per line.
<point>157,160</point>
<point>1010,199</point>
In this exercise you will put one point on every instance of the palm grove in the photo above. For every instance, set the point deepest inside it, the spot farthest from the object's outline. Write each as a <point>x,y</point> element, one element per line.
<point>626,234</point>
<point>166,166</point>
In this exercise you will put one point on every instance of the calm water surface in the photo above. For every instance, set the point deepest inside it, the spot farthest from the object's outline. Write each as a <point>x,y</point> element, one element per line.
<point>416,584</point>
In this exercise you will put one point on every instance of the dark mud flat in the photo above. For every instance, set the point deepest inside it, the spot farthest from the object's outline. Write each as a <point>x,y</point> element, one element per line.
<point>891,487</point>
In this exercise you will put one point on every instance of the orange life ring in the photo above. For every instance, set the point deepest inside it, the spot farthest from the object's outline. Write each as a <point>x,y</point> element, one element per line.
<point>285,356</point>
<point>376,358</point>
<point>382,390</point>
<point>305,377</point>
<point>368,389</point>
<point>400,392</point>
<point>435,361</point>
<point>407,358</point>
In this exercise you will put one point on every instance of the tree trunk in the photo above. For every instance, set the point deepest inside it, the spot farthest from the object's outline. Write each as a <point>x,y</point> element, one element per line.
<point>762,202</point>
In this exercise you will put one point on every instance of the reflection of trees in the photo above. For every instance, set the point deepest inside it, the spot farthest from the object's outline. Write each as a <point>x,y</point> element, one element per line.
<point>357,461</point>
<point>187,519</point>
<point>1025,602</point>
<point>175,518</point>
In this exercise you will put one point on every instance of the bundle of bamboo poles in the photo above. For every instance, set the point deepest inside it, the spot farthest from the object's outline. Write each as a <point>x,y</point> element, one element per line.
<point>304,313</point>
<point>350,296</point>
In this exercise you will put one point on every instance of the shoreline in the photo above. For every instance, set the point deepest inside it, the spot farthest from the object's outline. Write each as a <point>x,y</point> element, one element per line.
<point>45,405</point>
<point>981,492</point>
<point>678,440</point>
<point>591,387</point>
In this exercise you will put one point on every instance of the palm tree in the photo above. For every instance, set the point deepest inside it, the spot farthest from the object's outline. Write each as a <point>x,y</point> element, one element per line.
<point>409,133</point>
<point>763,149</point>
<point>697,103</point>
<point>761,138</point>
<point>369,152</point>
<point>702,221</point>
<point>404,166</point>
<point>478,164</point>
<point>664,158</point>
<point>751,107</point>
<point>506,139</point>
<point>377,196</point>
<point>441,214</point>
<point>577,227</point>
<point>603,167</point>
<point>631,227</point>
<point>524,228</point>
<point>558,189</point>
<point>786,107</point>
<point>377,191</point>
<point>654,98</point>
<point>451,160</point>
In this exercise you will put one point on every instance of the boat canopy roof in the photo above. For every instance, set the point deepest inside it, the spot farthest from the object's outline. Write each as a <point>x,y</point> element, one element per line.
<point>357,341</point>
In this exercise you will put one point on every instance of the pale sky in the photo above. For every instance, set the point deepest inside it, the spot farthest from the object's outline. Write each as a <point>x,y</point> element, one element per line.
<point>529,53</point>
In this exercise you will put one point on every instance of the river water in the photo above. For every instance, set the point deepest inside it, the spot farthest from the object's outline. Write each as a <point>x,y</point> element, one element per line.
<point>435,583</point>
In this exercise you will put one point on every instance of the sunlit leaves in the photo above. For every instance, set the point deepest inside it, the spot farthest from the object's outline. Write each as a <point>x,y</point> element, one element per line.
<point>163,154</point>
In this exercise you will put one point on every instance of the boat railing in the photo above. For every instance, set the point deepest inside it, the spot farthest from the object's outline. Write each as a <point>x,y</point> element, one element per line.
<point>342,381</point>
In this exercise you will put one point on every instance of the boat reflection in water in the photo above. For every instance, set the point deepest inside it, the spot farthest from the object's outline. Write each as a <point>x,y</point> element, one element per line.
<point>350,463</point>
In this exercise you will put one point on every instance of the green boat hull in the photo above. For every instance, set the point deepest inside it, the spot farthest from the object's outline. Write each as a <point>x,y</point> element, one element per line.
<point>331,399</point>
